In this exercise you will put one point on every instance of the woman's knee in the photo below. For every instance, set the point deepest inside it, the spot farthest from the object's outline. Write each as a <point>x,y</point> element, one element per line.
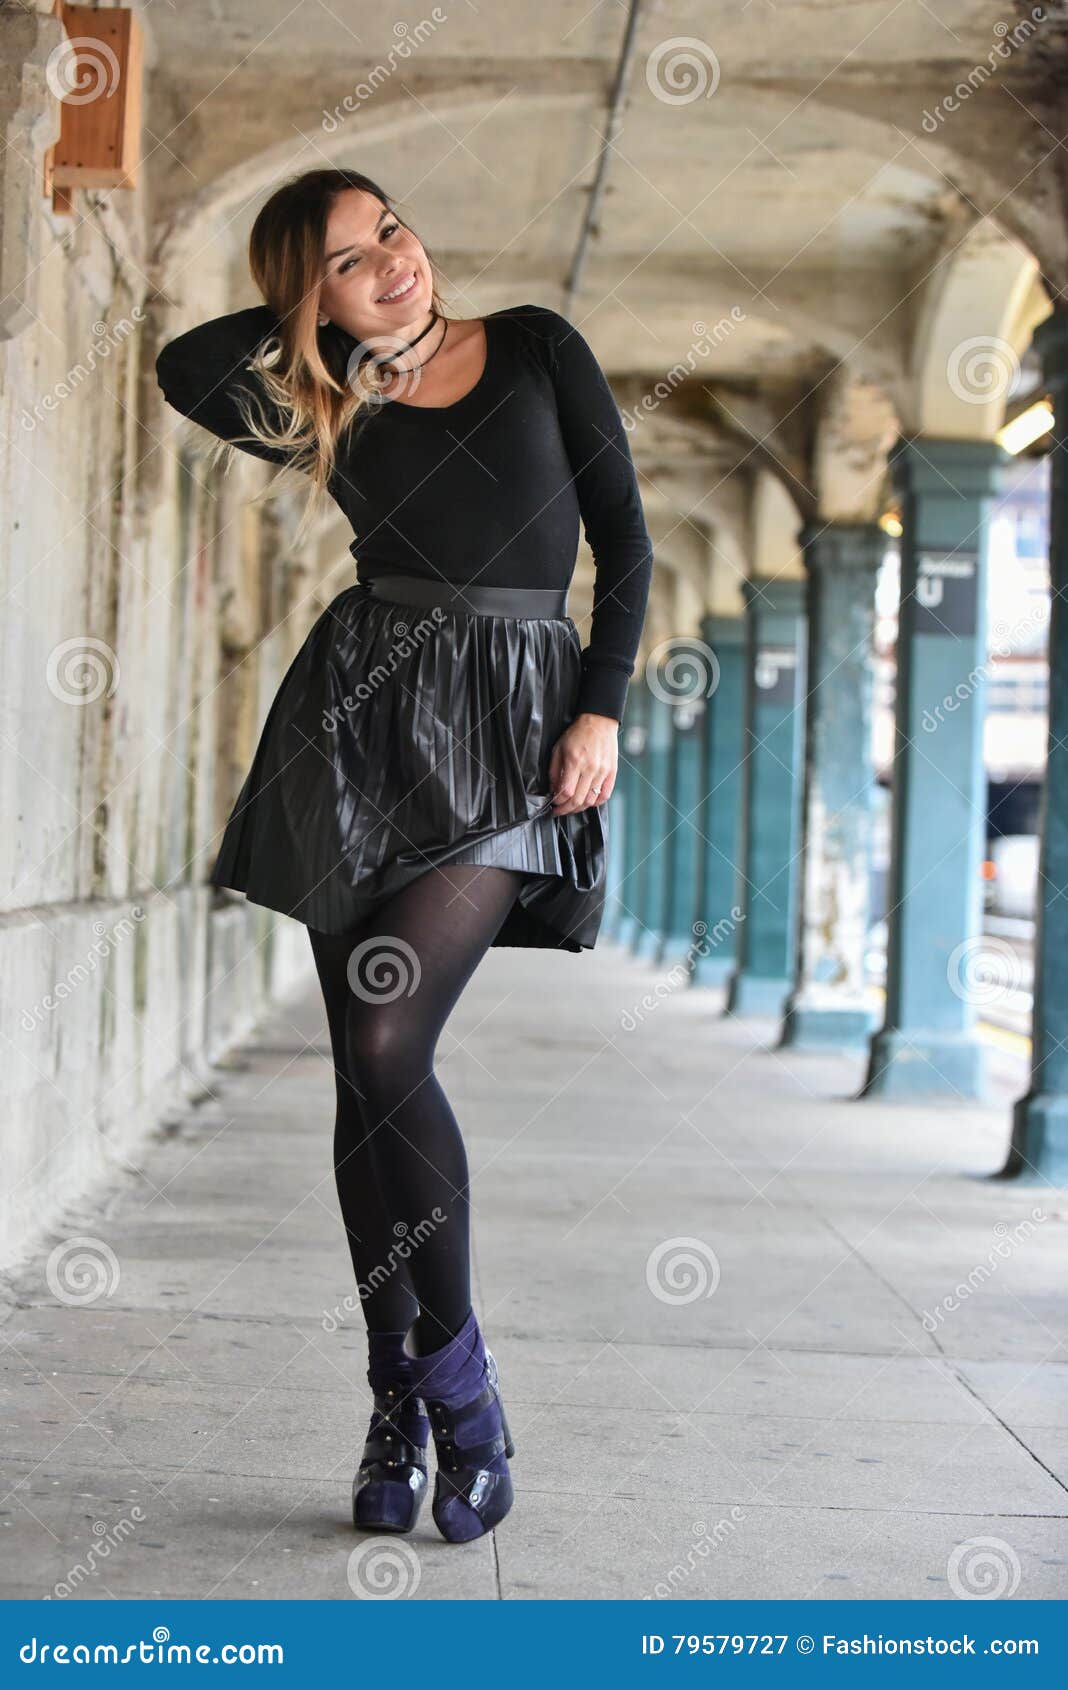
<point>388,1053</point>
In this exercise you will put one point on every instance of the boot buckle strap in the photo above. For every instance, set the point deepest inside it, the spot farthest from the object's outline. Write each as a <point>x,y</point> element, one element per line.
<point>385,1442</point>
<point>445,1418</point>
<point>470,1456</point>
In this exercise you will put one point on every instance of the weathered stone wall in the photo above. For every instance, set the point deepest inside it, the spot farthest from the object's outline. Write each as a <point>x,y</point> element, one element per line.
<point>135,678</point>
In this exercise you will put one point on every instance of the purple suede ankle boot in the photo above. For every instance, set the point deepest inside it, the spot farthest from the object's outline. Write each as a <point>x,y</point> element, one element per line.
<point>473,1487</point>
<point>389,1487</point>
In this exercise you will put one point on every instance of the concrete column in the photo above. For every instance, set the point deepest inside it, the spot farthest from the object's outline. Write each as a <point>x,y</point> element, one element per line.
<point>1040,1125</point>
<point>658,820</point>
<point>927,1046</point>
<point>719,819</point>
<point>632,748</point>
<point>775,673</point>
<point>830,1004</point>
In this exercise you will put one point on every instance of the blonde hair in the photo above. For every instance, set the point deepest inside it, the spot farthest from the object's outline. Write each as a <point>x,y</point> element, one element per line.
<point>306,373</point>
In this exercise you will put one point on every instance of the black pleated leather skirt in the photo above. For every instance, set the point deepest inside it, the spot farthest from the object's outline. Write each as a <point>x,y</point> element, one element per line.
<point>414,728</point>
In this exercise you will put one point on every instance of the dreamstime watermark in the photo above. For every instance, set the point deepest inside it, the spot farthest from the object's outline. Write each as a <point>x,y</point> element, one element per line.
<point>383,968</point>
<point>983,1569</point>
<point>106,1539</point>
<point>80,972</point>
<point>408,1241</point>
<point>681,671</point>
<point>708,1541</point>
<point>106,337</point>
<point>982,369</point>
<point>1009,38</point>
<point>682,1270</point>
<point>681,70</point>
<point>705,940</point>
<point>82,69</point>
<point>82,670</point>
<point>707,339</point>
<point>82,1270</point>
<point>983,970</point>
<point>409,37</point>
<point>408,639</point>
<point>158,1650</point>
<point>382,1570</point>
<point>1004,639</point>
<point>1009,1239</point>
<point>376,354</point>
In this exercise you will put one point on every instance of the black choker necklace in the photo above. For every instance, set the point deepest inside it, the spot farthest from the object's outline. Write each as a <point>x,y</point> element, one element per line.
<point>409,369</point>
<point>407,347</point>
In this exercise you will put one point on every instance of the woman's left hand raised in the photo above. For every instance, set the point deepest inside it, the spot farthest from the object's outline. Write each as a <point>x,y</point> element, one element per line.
<point>583,765</point>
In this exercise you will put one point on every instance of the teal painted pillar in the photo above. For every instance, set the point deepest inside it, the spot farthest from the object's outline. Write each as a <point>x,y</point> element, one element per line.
<point>632,749</point>
<point>651,905</point>
<point>719,820</point>
<point>689,672</point>
<point>771,795</point>
<point>830,1003</point>
<point>927,1045</point>
<point>1040,1126</point>
<point>615,873</point>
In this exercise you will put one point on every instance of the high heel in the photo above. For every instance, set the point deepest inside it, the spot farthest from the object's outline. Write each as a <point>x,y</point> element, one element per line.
<point>491,1373</point>
<point>461,1389</point>
<point>391,1481</point>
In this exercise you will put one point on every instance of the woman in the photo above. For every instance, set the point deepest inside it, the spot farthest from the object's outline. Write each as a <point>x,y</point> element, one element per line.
<point>432,774</point>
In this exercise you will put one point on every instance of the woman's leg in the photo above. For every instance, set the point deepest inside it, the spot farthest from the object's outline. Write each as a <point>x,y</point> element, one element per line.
<point>395,982</point>
<point>387,1299</point>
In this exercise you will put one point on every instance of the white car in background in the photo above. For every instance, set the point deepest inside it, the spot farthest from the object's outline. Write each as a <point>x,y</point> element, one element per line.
<point>1012,876</point>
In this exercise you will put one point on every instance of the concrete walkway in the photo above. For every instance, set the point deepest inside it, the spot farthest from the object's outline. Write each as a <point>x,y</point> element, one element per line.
<point>716,1288</point>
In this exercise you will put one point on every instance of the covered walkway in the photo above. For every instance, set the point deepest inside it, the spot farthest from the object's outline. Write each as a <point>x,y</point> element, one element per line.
<point>778,1297</point>
<point>756,1339</point>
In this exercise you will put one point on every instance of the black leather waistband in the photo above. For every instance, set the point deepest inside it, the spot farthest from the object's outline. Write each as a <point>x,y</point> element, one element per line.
<point>473,599</point>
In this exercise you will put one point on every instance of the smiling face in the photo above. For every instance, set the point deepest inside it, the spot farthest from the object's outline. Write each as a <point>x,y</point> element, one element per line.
<point>369,254</point>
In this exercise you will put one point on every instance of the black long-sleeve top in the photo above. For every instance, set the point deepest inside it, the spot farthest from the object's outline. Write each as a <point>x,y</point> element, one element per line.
<point>490,489</point>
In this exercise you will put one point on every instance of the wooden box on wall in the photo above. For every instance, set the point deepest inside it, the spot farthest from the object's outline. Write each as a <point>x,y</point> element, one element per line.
<point>100,136</point>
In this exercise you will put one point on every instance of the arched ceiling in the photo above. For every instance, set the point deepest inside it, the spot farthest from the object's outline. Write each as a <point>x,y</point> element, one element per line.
<point>785,193</point>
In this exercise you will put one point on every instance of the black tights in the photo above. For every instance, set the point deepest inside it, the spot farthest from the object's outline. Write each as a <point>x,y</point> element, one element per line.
<point>399,1158</point>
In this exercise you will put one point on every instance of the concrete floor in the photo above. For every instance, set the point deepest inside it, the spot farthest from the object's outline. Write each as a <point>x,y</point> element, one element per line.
<point>780,1422</point>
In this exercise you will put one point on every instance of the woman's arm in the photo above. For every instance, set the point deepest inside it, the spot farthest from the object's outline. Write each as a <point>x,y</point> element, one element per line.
<point>202,372</point>
<point>612,516</point>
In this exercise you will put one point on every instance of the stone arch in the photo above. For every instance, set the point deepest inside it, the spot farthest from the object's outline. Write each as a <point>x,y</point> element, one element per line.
<point>975,324</point>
